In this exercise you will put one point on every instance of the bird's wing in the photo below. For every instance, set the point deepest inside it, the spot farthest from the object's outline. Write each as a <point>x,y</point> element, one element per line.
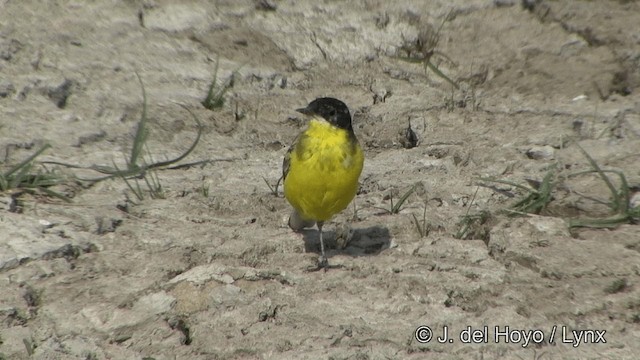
<point>286,162</point>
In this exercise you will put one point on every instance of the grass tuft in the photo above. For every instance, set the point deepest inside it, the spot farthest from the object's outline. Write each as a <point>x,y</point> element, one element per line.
<point>23,177</point>
<point>136,166</point>
<point>472,226</point>
<point>620,203</point>
<point>424,50</point>
<point>204,188</point>
<point>538,197</point>
<point>618,285</point>
<point>395,208</point>
<point>273,188</point>
<point>422,227</point>
<point>215,95</point>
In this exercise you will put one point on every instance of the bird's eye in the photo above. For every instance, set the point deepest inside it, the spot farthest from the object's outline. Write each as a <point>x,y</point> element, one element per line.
<point>332,112</point>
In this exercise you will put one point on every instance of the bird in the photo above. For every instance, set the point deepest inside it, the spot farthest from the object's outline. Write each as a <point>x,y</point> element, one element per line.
<point>322,167</point>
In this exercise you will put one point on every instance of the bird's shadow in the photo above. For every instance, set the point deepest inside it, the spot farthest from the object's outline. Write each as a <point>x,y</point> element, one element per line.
<point>344,240</point>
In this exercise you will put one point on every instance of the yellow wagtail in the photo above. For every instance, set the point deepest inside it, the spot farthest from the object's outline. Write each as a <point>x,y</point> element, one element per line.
<point>322,167</point>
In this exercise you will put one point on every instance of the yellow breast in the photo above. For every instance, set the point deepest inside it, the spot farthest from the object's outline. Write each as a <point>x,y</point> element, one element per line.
<point>324,168</point>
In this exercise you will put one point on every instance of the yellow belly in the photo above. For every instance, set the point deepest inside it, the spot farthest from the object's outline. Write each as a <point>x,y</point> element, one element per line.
<point>324,168</point>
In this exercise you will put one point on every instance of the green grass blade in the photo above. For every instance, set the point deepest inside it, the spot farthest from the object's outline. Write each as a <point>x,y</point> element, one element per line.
<point>20,165</point>
<point>607,223</point>
<point>4,183</point>
<point>507,182</point>
<point>409,60</point>
<point>417,224</point>
<point>189,150</point>
<point>433,68</point>
<point>616,203</point>
<point>55,194</point>
<point>207,102</point>
<point>142,132</point>
<point>396,208</point>
<point>19,178</point>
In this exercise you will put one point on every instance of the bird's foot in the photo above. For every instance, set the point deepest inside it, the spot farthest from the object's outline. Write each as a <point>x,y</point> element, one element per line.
<point>323,263</point>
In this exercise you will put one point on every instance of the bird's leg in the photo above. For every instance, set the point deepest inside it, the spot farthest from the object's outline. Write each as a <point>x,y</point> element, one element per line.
<point>323,259</point>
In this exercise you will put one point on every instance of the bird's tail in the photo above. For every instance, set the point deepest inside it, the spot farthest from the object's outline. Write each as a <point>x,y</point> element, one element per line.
<point>297,223</point>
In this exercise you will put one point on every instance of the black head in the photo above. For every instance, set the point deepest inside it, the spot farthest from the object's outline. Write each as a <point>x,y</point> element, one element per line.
<point>332,110</point>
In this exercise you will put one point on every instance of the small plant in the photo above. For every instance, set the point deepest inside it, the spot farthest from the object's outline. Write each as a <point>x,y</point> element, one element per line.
<point>424,49</point>
<point>22,177</point>
<point>474,226</point>
<point>273,188</point>
<point>137,167</point>
<point>150,177</point>
<point>153,184</point>
<point>620,203</point>
<point>29,345</point>
<point>423,228</point>
<point>539,194</point>
<point>151,180</point>
<point>32,297</point>
<point>395,208</point>
<point>215,95</point>
<point>617,286</point>
<point>204,189</point>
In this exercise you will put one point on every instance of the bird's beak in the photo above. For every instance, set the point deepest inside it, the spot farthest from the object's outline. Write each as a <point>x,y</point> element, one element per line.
<point>305,111</point>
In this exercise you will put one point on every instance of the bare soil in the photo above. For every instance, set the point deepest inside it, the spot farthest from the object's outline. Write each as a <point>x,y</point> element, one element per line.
<point>208,269</point>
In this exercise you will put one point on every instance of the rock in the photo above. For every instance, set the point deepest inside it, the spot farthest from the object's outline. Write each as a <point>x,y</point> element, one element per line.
<point>549,226</point>
<point>24,240</point>
<point>541,152</point>
<point>176,17</point>
<point>203,274</point>
<point>155,304</point>
<point>107,318</point>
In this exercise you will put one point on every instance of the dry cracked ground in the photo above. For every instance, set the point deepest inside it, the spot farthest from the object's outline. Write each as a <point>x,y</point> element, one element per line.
<point>194,260</point>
